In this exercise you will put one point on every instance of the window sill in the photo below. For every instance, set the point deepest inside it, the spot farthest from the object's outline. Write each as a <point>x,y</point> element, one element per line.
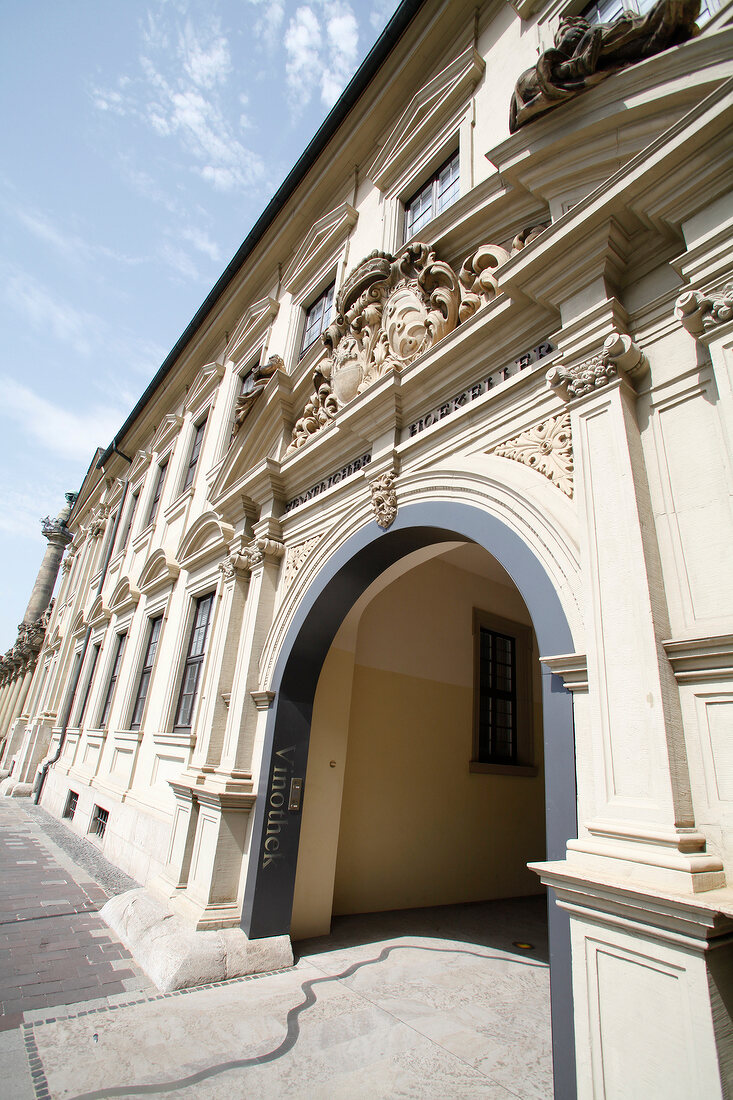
<point>478,768</point>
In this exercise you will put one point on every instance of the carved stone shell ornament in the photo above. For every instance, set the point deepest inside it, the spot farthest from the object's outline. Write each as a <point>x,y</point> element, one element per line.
<point>389,310</point>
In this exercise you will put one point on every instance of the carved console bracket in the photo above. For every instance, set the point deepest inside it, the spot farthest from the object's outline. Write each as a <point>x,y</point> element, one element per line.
<point>244,560</point>
<point>620,357</point>
<point>384,498</point>
<point>547,448</point>
<point>700,313</point>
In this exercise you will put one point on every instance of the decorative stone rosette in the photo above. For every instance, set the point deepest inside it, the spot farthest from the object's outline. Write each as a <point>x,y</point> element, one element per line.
<point>547,448</point>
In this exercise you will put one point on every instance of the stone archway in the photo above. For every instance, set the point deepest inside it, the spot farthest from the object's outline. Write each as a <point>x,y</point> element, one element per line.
<point>347,574</point>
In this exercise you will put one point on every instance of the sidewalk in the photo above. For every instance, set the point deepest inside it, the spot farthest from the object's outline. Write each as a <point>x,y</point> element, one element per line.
<point>437,1003</point>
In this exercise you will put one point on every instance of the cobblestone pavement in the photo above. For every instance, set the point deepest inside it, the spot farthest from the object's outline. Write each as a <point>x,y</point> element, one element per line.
<point>55,949</point>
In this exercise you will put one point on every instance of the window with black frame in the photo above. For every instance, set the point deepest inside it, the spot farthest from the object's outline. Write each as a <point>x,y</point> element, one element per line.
<point>198,439</point>
<point>194,661</point>
<point>114,675</point>
<point>503,734</point>
<point>317,317</point>
<point>146,672</point>
<point>157,492</point>
<point>435,195</point>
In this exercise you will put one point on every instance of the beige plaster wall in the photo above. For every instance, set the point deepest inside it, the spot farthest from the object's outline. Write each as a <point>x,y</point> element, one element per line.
<point>389,760</point>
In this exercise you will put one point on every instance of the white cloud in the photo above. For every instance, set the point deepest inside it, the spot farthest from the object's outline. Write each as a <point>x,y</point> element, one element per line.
<point>267,26</point>
<point>67,434</point>
<point>44,310</point>
<point>321,44</point>
<point>201,242</point>
<point>381,13</point>
<point>182,95</point>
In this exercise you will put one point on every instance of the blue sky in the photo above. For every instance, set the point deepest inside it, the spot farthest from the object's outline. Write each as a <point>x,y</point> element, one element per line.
<point>140,143</point>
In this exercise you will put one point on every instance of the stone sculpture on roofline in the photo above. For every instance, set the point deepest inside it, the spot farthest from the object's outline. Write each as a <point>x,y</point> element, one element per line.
<point>584,54</point>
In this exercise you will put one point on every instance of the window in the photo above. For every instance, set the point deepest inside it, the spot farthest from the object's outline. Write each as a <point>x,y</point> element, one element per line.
<point>146,672</point>
<point>503,721</point>
<point>194,661</point>
<point>158,492</point>
<point>99,822</point>
<point>104,716</point>
<point>605,11</point>
<point>70,808</point>
<point>317,317</point>
<point>88,687</point>
<point>195,452</point>
<point>130,519</point>
<point>438,193</point>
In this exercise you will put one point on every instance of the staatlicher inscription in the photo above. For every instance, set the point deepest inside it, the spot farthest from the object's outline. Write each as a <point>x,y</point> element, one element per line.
<point>334,479</point>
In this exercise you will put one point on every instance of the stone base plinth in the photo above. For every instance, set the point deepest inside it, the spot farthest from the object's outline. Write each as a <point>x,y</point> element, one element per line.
<point>175,956</point>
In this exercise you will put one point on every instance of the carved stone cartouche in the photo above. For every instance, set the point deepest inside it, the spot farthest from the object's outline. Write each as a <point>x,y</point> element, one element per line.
<point>584,54</point>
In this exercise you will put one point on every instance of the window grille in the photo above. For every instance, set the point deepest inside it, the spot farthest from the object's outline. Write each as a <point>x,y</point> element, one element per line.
<point>317,317</point>
<point>438,193</point>
<point>70,808</point>
<point>99,822</point>
<point>146,672</point>
<point>194,661</point>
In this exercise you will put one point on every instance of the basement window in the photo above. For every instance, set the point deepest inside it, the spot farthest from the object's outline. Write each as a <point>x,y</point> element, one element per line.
<point>99,822</point>
<point>72,799</point>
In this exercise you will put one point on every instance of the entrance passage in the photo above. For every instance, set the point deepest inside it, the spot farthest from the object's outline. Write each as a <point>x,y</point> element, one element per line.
<point>408,804</point>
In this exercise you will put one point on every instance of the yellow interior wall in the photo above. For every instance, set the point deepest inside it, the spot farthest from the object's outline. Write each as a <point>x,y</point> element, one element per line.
<point>414,826</point>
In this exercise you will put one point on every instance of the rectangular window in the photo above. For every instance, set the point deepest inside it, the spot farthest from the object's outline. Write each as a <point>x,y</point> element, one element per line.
<point>158,492</point>
<point>194,661</point>
<point>605,11</point>
<point>146,672</point>
<point>88,685</point>
<point>104,716</point>
<point>130,519</point>
<point>435,195</point>
<point>100,818</point>
<point>497,722</point>
<point>503,715</point>
<point>195,452</point>
<point>70,808</point>
<point>318,317</point>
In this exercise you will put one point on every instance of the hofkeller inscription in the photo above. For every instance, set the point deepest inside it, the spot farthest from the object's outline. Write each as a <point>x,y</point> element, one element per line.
<point>489,382</point>
<point>334,479</point>
<point>277,822</point>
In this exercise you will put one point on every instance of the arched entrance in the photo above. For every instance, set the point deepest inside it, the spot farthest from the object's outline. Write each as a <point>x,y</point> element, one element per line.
<point>349,572</point>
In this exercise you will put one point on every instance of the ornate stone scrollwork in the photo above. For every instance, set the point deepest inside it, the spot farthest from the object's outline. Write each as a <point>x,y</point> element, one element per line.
<point>295,557</point>
<point>620,355</point>
<point>547,448</point>
<point>262,548</point>
<point>700,313</point>
<point>389,310</point>
<point>479,284</point>
<point>584,54</point>
<point>259,378</point>
<point>384,498</point>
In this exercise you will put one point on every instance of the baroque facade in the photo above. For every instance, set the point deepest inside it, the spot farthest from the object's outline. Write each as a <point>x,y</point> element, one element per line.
<point>404,583</point>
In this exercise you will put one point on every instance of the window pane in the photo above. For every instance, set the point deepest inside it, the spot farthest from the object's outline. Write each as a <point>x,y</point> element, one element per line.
<point>318,317</point>
<point>195,452</point>
<point>194,660</point>
<point>497,735</point>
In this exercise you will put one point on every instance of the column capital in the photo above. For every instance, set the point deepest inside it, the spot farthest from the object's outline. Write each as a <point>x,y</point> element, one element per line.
<point>620,357</point>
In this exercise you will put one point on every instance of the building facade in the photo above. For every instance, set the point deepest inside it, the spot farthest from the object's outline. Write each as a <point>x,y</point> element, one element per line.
<point>405,581</point>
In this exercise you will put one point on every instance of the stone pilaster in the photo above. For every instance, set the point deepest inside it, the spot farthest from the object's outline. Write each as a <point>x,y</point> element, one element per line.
<point>642,824</point>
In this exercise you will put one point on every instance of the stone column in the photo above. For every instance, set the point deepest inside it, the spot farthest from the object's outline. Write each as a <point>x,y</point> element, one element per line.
<point>643,827</point>
<point>59,536</point>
